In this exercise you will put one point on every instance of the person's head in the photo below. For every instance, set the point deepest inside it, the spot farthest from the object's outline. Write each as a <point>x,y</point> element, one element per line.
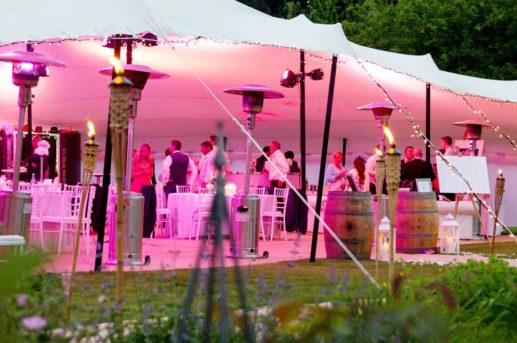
<point>145,151</point>
<point>266,150</point>
<point>35,141</point>
<point>289,154</point>
<point>337,157</point>
<point>409,153</point>
<point>418,153</point>
<point>167,152</point>
<point>175,145</point>
<point>446,142</point>
<point>275,145</point>
<point>206,147</point>
<point>360,164</point>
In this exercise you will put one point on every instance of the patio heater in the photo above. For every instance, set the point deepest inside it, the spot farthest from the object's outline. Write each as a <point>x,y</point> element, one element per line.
<point>134,202</point>
<point>245,215</point>
<point>473,133</point>
<point>382,112</point>
<point>27,69</point>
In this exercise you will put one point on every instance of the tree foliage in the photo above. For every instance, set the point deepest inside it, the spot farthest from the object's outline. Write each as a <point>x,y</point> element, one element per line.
<point>471,37</point>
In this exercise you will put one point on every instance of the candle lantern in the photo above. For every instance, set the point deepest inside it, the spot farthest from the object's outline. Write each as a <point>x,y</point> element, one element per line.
<point>473,132</point>
<point>27,69</point>
<point>392,181</point>
<point>245,212</point>
<point>382,248</point>
<point>449,236</point>
<point>499,191</point>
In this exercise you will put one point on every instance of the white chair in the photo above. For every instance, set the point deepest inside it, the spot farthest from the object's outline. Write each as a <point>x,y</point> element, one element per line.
<point>69,214</point>
<point>201,213</point>
<point>183,189</point>
<point>18,242</point>
<point>36,221</point>
<point>163,216</point>
<point>24,187</point>
<point>275,215</point>
<point>258,191</point>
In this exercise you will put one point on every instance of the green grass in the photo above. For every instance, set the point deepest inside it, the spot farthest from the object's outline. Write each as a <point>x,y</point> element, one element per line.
<point>265,284</point>
<point>504,250</point>
<point>513,229</point>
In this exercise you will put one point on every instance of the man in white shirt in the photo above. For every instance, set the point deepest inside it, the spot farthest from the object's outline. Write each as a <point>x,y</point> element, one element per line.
<point>207,171</point>
<point>213,141</point>
<point>447,148</point>
<point>279,160</point>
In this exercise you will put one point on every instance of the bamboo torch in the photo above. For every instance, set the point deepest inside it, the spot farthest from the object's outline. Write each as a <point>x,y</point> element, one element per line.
<point>89,158</point>
<point>392,180</point>
<point>120,88</point>
<point>380,173</point>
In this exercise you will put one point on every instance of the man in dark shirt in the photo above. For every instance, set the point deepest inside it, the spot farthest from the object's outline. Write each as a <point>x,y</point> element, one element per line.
<point>416,169</point>
<point>261,161</point>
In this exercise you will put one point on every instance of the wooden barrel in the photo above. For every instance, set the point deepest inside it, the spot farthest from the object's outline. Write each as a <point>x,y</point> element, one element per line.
<point>417,222</point>
<point>350,216</point>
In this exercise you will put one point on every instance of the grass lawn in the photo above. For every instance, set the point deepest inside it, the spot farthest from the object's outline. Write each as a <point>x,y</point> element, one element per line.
<point>504,249</point>
<point>265,284</point>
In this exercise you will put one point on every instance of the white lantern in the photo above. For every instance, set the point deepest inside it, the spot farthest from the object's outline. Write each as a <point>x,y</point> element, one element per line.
<point>384,241</point>
<point>449,236</point>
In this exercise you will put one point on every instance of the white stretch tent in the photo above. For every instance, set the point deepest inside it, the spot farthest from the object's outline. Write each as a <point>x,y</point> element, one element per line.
<point>218,44</point>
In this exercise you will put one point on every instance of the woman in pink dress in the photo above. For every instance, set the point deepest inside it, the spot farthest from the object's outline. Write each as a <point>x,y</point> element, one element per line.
<point>143,169</point>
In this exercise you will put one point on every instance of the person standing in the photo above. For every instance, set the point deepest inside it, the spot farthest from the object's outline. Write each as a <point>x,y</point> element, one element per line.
<point>447,148</point>
<point>143,169</point>
<point>293,165</point>
<point>261,160</point>
<point>207,171</point>
<point>278,159</point>
<point>335,173</point>
<point>416,169</point>
<point>359,175</point>
<point>213,141</point>
<point>177,166</point>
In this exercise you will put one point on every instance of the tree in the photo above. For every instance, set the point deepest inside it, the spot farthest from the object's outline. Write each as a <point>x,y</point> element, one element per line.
<point>471,37</point>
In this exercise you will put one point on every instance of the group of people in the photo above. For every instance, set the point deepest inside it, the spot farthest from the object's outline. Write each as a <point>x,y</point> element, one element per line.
<point>363,176</point>
<point>177,168</point>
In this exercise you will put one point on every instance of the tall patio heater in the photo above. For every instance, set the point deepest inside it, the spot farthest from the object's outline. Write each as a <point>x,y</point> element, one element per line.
<point>27,69</point>
<point>245,213</point>
<point>473,133</point>
<point>134,202</point>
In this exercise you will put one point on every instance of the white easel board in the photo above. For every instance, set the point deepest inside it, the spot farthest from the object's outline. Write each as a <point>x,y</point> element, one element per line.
<point>473,169</point>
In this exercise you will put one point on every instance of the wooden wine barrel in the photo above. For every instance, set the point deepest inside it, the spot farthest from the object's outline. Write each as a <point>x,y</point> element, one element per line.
<point>417,222</point>
<point>350,216</point>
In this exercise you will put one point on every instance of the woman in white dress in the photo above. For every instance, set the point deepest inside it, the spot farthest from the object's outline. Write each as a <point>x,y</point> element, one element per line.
<point>335,173</point>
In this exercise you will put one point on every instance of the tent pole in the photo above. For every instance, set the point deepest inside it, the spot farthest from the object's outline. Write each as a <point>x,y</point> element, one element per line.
<point>323,162</point>
<point>428,120</point>
<point>100,220</point>
<point>302,122</point>
<point>344,152</point>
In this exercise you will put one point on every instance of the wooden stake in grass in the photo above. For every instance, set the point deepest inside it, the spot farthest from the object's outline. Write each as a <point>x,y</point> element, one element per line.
<point>499,191</point>
<point>119,114</point>
<point>380,172</point>
<point>89,158</point>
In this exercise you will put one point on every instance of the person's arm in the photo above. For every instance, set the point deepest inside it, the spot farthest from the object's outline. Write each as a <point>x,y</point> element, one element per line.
<point>192,169</point>
<point>333,174</point>
<point>166,166</point>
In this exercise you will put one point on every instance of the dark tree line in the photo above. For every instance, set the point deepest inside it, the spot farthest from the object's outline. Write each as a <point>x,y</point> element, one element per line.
<point>471,37</point>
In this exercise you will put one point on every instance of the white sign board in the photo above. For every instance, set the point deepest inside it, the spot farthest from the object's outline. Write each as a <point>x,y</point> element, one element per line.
<point>473,169</point>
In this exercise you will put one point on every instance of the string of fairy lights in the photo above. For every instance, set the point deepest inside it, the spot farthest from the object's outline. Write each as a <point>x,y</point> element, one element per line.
<point>418,132</point>
<point>415,126</point>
